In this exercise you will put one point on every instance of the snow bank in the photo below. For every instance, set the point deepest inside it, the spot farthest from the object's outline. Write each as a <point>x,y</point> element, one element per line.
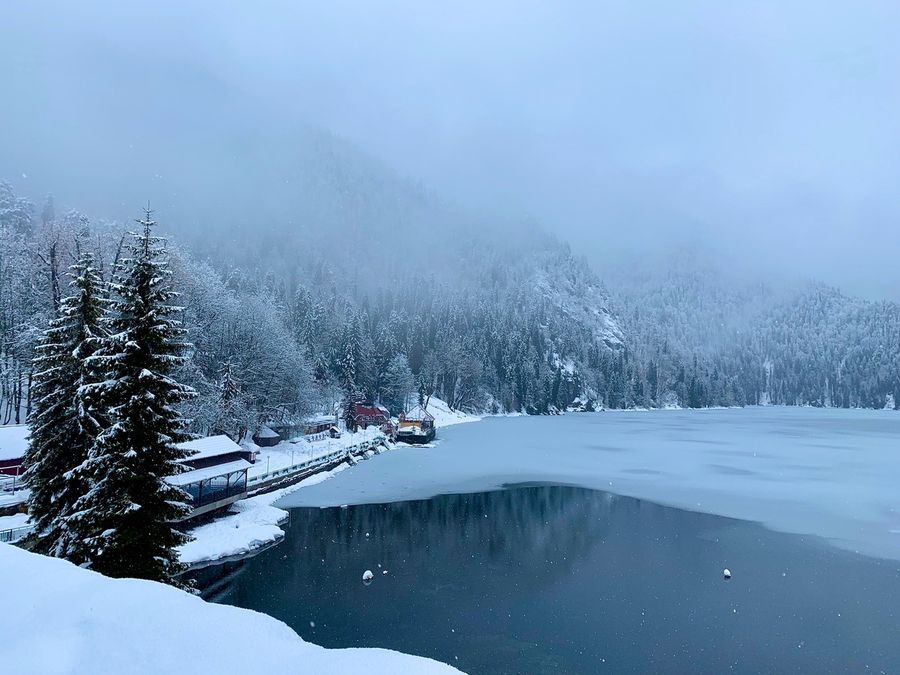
<point>13,521</point>
<point>70,620</point>
<point>252,524</point>
<point>13,441</point>
<point>444,417</point>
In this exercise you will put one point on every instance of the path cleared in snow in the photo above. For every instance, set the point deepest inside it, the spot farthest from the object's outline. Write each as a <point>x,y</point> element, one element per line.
<point>831,473</point>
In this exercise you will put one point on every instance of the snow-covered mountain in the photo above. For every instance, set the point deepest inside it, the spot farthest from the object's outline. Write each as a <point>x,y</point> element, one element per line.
<point>744,342</point>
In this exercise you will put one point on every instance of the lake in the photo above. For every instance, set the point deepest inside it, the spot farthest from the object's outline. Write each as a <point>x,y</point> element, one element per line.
<point>505,573</point>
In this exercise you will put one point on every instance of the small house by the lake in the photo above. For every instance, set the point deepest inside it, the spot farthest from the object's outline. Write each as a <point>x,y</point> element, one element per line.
<point>216,474</point>
<point>320,426</point>
<point>363,416</point>
<point>13,444</point>
<point>265,437</point>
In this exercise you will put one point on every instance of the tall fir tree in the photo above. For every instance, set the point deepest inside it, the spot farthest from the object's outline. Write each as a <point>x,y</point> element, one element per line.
<point>65,422</point>
<point>127,518</point>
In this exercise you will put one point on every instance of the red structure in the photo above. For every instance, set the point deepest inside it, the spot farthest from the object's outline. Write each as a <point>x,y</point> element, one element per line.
<point>363,416</point>
<point>13,444</point>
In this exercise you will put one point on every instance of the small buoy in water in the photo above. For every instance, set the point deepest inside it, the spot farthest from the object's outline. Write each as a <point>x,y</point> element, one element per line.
<point>368,576</point>
<point>727,573</point>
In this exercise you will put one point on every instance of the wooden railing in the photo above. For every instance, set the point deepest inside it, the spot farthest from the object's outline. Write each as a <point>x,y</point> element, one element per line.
<point>320,460</point>
<point>14,534</point>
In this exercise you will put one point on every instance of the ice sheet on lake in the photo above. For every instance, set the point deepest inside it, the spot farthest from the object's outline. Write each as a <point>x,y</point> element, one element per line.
<point>832,473</point>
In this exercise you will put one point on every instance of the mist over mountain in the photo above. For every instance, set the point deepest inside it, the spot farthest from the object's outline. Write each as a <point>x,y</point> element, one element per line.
<point>314,246</point>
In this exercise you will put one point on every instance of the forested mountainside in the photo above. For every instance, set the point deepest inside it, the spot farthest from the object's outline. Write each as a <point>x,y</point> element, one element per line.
<point>506,321</point>
<point>284,328</point>
<point>745,343</point>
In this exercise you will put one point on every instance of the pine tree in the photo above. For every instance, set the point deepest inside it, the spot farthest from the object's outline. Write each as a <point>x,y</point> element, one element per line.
<point>349,356</point>
<point>398,383</point>
<point>65,423</point>
<point>126,519</point>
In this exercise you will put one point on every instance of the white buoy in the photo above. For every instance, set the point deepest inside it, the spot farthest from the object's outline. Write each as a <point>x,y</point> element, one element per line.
<point>726,573</point>
<point>368,576</point>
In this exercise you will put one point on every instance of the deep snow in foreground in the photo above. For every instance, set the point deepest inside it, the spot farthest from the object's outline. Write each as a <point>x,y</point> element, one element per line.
<point>59,619</point>
<point>832,473</point>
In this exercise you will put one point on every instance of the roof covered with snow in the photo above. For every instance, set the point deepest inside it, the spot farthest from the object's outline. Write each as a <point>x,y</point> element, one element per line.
<point>13,441</point>
<point>371,411</point>
<point>417,413</point>
<point>196,475</point>
<point>211,446</point>
<point>265,432</point>
<point>320,419</point>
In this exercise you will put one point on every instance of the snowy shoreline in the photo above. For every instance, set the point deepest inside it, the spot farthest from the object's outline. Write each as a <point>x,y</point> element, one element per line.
<point>64,619</point>
<point>792,469</point>
<point>255,522</point>
<point>253,528</point>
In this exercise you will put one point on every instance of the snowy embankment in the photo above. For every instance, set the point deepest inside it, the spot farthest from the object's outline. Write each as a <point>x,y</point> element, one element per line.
<point>445,417</point>
<point>253,523</point>
<point>60,619</point>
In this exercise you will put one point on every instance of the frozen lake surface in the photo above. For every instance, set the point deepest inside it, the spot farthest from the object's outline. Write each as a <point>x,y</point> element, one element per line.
<point>832,473</point>
<point>558,579</point>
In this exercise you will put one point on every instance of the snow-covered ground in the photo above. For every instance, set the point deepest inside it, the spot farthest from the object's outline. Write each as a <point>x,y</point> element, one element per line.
<point>291,453</point>
<point>59,619</point>
<point>444,417</point>
<point>252,525</point>
<point>12,498</point>
<point>13,521</point>
<point>827,472</point>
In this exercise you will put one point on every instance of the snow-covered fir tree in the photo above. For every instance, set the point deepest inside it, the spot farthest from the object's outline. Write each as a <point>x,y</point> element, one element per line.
<point>126,518</point>
<point>64,422</point>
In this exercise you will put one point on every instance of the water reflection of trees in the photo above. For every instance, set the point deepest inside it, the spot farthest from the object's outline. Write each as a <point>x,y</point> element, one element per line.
<point>553,523</point>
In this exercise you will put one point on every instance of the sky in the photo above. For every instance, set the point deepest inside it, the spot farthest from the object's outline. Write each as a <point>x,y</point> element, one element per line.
<point>761,133</point>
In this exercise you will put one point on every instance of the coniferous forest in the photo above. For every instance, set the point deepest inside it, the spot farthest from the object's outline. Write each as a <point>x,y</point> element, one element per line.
<point>510,321</point>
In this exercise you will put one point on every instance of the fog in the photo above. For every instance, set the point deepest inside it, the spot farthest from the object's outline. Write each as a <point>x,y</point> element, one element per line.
<point>762,133</point>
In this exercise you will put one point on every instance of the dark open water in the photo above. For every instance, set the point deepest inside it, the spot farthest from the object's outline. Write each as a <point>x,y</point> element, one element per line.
<point>555,579</point>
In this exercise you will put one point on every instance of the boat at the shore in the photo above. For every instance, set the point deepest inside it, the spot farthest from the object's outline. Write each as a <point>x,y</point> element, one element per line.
<point>414,435</point>
<point>416,426</point>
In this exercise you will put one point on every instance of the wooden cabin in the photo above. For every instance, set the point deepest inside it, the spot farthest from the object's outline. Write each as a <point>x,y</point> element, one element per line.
<point>320,426</point>
<point>363,415</point>
<point>266,437</point>
<point>216,474</point>
<point>417,417</point>
<point>13,445</point>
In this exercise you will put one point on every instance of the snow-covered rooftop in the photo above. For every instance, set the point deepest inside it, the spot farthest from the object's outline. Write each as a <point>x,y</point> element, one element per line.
<point>321,419</point>
<point>13,441</point>
<point>417,413</point>
<point>211,446</point>
<point>197,475</point>
<point>266,432</point>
